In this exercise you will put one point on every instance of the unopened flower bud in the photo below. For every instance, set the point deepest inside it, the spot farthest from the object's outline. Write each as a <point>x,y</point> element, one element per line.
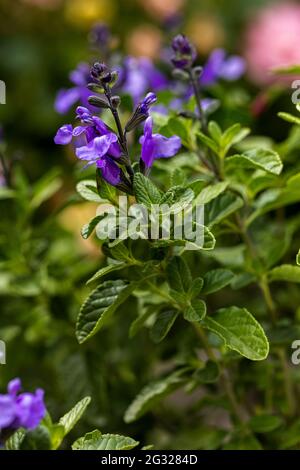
<point>115,101</point>
<point>98,102</point>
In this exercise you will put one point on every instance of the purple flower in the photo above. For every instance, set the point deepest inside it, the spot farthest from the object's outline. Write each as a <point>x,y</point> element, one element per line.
<point>148,101</point>
<point>94,143</point>
<point>185,52</point>
<point>140,75</point>
<point>156,145</point>
<point>100,36</point>
<point>66,98</point>
<point>218,66</point>
<point>141,112</point>
<point>21,409</point>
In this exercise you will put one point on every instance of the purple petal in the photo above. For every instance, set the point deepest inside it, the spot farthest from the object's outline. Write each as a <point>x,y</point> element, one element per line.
<point>64,135</point>
<point>166,147</point>
<point>80,75</point>
<point>7,411</point>
<point>109,170</point>
<point>148,150</point>
<point>233,68</point>
<point>65,99</point>
<point>96,148</point>
<point>30,409</point>
<point>212,67</point>
<point>14,386</point>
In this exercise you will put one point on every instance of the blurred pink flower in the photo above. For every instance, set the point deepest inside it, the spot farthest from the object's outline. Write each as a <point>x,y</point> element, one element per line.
<point>272,41</point>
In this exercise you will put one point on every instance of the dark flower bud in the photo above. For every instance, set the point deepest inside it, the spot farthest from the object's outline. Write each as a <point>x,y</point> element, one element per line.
<point>101,73</point>
<point>185,52</point>
<point>115,101</point>
<point>98,102</point>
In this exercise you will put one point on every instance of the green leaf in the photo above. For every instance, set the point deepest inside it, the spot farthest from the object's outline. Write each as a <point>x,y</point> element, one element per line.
<point>88,229</point>
<point>57,433</point>
<point>37,439</point>
<point>265,423</point>
<point>106,270</point>
<point>178,177</point>
<point>196,311</point>
<point>215,131</point>
<point>70,419</point>
<point>298,258</point>
<point>151,394</point>
<point>45,188</point>
<point>211,192</point>
<point>290,118</point>
<point>14,442</point>
<point>99,306</point>
<point>196,287</point>
<point>178,274</point>
<point>177,198</point>
<point>145,191</point>
<point>106,191</point>
<point>216,280</point>
<point>240,332</point>
<point>221,207</point>
<point>88,190</point>
<point>265,159</point>
<point>208,374</point>
<point>210,143</point>
<point>285,272</point>
<point>120,252</point>
<point>233,135</point>
<point>288,70</point>
<point>163,324</point>
<point>96,441</point>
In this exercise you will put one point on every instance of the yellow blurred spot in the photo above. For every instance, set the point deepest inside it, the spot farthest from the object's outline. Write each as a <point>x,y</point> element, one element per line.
<point>206,32</point>
<point>84,13</point>
<point>73,218</point>
<point>144,41</point>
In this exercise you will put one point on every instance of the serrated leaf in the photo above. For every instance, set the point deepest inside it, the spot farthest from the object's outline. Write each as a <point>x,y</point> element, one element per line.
<point>88,190</point>
<point>178,274</point>
<point>285,272</point>
<point>211,192</point>
<point>96,441</point>
<point>15,440</point>
<point>151,394</point>
<point>196,311</point>
<point>216,279</point>
<point>233,135</point>
<point>145,191</point>
<point>106,270</point>
<point>163,324</point>
<point>70,419</point>
<point>99,306</point>
<point>240,332</point>
<point>264,159</point>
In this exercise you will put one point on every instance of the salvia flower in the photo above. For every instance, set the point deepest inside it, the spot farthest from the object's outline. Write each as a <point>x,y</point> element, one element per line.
<point>100,36</point>
<point>95,143</point>
<point>66,98</point>
<point>21,409</point>
<point>156,145</point>
<point>185,52</point>
<point>219,66</point>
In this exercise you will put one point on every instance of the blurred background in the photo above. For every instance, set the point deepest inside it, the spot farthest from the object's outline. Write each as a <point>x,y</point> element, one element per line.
<point>43,261</point>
